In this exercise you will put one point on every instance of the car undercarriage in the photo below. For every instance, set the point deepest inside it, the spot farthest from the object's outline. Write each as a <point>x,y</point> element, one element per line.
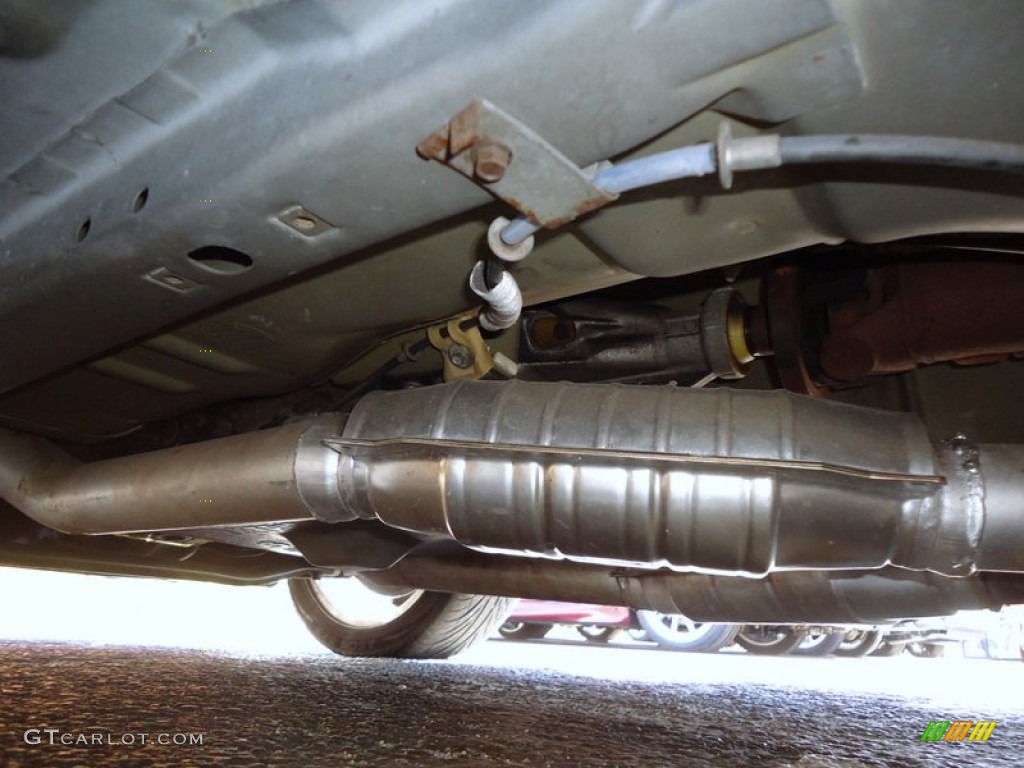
<point>705,307</point>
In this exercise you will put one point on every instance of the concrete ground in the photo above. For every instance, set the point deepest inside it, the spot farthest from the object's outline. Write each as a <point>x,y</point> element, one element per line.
<point>248,683</point>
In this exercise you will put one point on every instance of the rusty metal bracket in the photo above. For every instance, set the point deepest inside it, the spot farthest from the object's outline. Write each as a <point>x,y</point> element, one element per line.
<point>511,161</point>
<point>465,353</point>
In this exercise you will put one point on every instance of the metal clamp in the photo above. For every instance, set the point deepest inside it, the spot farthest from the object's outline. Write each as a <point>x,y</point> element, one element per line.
<point>465,354</point>
<point>751,153</point>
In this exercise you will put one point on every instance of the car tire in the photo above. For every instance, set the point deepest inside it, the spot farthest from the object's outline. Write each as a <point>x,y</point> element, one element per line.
<point>889,649</point>
<point>598,635</point>
<point>430,625</point>
<point>858,643</point>
<point>819,645</point>
<point>668,632</point>
<point>927,650</point>
<point>524,630</point>
<point>768,643</point>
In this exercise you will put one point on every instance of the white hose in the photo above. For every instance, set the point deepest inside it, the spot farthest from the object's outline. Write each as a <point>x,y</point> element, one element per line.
<point>504,301</point>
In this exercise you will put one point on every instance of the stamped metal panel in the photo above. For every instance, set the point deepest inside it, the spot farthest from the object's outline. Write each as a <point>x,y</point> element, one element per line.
<point>320,105</point>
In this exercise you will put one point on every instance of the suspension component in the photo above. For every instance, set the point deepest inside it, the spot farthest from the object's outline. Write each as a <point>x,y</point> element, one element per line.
<point>832,328</point>
<point>593,340</point>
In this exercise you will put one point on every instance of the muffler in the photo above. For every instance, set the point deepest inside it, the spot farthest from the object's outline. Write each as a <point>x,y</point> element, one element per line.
<point>719,481</point>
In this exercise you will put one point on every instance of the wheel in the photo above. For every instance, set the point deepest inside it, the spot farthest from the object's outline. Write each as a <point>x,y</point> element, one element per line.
<point>818,645</point>
<point>523,630</point>
<point>889,649</point>
<point>858,642</point>
<point>768,641</point>
<point>927,650</point>
<point>349,618</point>
<point>678,633</point>
<point>601,635</point>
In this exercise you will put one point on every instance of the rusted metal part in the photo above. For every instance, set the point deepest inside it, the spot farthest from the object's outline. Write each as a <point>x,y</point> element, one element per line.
<point>490,160</point>
<point>927,312</point>
<point>788,326</point>
<point>489,146</point>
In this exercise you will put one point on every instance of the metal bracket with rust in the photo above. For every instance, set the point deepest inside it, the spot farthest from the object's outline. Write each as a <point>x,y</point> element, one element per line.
<point>465,353</point>
<point>507,158</point>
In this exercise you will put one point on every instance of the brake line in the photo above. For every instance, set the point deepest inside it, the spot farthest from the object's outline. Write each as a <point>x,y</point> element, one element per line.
<point>512,241</point>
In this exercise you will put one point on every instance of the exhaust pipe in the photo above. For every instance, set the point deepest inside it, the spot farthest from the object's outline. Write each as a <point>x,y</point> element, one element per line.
<point>719,481</point>
<point>840,597</point>
<point>274,475</point>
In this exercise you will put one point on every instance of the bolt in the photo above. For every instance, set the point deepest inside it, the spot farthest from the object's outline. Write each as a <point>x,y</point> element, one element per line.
<point>490,160</point>
<point>409,353</point>
<point>460,356</point>
<point>744,227</point>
